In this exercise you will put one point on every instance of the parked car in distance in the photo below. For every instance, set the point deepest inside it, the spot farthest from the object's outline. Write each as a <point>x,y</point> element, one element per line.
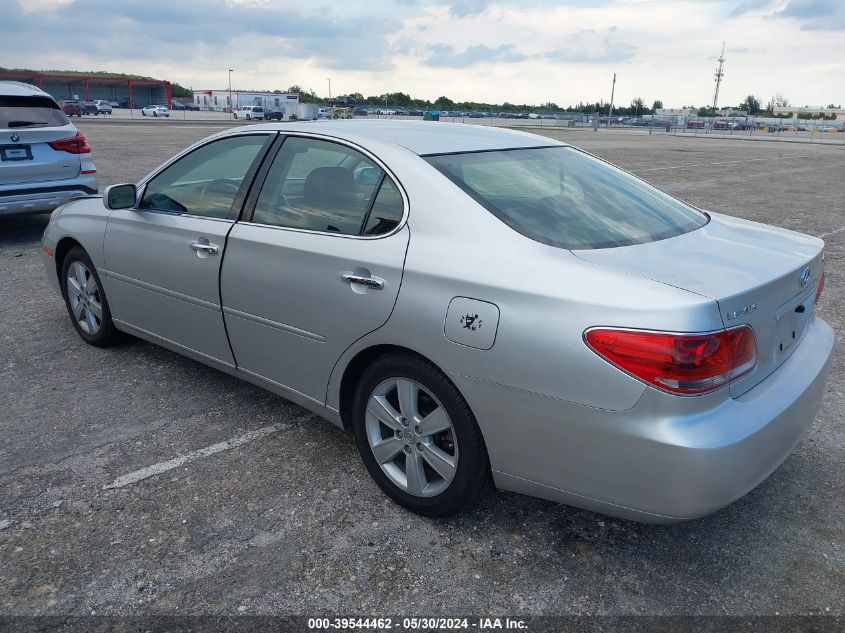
<point>192,106</point>
<point>44,160</point>
<point>323,113</point>
<point>89,107</point>
<point>648,367</point>
<point>71,108</point>
<point>155,111</point>
<point>359,111</point>
<point>115,104</point>
<point>274,115</point>
<point>695,123</point>
<point>249,113</point>
<point>103,107</point>
<point>177,105</point>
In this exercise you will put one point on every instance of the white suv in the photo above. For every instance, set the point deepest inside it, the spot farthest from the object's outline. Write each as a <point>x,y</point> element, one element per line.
<point>249,113</point>
<point>44,160</point>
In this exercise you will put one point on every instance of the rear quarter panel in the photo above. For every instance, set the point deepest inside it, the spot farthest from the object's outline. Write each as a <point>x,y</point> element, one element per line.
<point>546,297</point>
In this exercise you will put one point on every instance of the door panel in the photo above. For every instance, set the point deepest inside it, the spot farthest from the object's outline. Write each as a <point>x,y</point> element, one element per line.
<point>158,282</point>
<point>289,313</point>
<point>162,259</point>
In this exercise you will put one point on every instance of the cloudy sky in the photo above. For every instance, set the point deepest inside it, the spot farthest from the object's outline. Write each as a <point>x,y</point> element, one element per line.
<point>522,51</point>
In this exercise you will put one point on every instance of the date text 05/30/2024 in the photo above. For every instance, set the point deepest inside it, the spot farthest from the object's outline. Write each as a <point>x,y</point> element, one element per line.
<point>414,624</point>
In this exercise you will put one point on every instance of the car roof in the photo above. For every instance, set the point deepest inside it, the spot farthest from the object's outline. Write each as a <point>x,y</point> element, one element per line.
<point>20,89</point>
<point>420,137</point>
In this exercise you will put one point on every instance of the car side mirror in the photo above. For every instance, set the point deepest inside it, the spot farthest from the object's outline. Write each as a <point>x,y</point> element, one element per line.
<point>120,197</point>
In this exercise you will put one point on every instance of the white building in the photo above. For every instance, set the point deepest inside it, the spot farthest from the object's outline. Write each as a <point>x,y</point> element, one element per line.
<point>219,99</point>
<point>794,111</point>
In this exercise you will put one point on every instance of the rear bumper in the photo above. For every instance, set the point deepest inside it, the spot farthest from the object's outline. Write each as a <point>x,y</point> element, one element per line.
<point>652,463</point>
<point>42,197</point>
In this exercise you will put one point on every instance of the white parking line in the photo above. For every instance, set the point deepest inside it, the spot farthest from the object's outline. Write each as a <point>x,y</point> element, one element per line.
<point>829,233</point>
<point>162,467</point>
<point>722,162</point>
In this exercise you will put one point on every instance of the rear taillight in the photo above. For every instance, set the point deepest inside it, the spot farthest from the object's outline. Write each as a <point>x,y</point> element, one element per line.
<point>680,363</point>
<point>820,288</point>
<point>72,145</point>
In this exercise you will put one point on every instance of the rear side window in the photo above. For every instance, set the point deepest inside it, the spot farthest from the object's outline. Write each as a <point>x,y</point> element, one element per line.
<point>566,198</point>
<point>30,112</point>
<point>322,186</point>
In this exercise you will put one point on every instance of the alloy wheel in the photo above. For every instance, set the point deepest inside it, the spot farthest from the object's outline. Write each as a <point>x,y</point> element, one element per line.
<point>412,437</point>
<point>84,297</point>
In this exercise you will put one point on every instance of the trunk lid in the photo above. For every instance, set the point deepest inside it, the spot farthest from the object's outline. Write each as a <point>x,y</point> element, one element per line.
<point>759,275</point>
<point>30,158</point>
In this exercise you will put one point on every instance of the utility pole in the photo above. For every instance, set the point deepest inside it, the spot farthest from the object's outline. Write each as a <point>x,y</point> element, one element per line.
<point>231,105</point>
<point>719,75</point>
<point>612,92</point>
<point>330,88</point>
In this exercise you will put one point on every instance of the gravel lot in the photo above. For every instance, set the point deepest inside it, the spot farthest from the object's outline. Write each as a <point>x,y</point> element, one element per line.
<point>291,523</point>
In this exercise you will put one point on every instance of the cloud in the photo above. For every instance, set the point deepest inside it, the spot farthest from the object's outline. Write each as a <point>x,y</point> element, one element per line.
<point>466,8</point>
<point>447,57</point>
<point>163,30</point>
<point>593,47</point>
<point>817,15</point>
<point>751,7</point>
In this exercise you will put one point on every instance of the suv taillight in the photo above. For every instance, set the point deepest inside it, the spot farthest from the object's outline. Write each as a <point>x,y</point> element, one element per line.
<point>72,145</point>
<point>687,364</point>
<point>820,288</point>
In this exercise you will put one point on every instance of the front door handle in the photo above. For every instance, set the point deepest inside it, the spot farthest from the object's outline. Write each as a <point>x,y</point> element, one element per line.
<point>203,246</point>
<point>369,282</point>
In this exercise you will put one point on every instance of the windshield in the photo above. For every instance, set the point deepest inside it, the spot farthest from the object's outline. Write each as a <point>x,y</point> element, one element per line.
<point>564,197</point>
<point>28,112</point>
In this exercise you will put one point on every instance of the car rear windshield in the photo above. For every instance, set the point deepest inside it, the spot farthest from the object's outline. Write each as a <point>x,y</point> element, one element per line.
<point>29,112</point>
<point>566,198</point>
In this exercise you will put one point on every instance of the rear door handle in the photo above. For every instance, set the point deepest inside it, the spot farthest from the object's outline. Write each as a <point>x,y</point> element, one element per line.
<point>369,282</point>
<point>205,247</point>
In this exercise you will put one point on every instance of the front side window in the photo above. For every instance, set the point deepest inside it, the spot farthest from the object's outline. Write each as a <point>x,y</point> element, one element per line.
<point>322,186</point>
<point>206,181</point>
<point>566,198</point>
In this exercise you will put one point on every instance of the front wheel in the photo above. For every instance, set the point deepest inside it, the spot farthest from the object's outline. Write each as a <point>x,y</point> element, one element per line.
<point>418,437</point>
<point>86,300</point>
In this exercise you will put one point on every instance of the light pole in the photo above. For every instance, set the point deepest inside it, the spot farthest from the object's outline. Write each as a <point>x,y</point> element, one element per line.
<point>330,88</point>
<point>612,92</point>
<point>231,105</point>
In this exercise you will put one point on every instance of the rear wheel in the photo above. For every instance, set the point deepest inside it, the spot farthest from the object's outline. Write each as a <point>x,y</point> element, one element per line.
<point>418,437</point>
<point>86,300</point>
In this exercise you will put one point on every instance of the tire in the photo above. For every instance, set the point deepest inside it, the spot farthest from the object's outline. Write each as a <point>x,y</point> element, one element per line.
<point>155,113</point>
<point>103,334</point>
<point>463,475</point>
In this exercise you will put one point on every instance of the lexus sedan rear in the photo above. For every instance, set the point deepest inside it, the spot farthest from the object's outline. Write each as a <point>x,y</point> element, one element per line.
<point>477,305</point>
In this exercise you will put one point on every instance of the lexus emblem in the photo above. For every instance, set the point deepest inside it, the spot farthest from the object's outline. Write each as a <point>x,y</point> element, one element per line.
<point>805,276</point>
<point>15,137</point>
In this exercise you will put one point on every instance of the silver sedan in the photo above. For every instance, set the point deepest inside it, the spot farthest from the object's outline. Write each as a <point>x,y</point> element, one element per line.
<point>478,306</point>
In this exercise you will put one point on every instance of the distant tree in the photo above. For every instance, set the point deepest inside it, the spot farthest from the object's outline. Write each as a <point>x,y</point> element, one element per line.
<point>444,103</point>
<point>750,105</point>
<point>180,91</point>
<point>779,101</point>
<point>657,105</point>
<point>637,107</point>
<point>705,111</point>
